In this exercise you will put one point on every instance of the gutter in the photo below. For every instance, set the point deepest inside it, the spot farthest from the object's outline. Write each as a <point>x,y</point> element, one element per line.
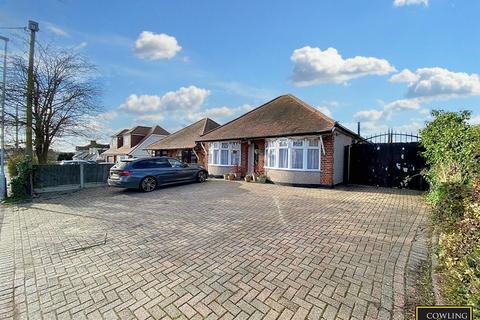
<point>272,136</point>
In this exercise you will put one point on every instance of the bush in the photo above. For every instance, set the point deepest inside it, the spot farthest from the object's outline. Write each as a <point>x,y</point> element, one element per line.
<point>12,164</point>
<point>451,143</point>
<point>459,256</point>
<point>447,201</point>
<point>451,147</point>
<point>452,151</point>
<point>20,182</point>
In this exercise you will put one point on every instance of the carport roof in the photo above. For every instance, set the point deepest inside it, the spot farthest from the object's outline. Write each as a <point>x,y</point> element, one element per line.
<point>185,138</point>
<point>283,116</point>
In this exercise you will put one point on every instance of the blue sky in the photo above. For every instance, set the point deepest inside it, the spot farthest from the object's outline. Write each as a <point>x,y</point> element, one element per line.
<point>384,63</point>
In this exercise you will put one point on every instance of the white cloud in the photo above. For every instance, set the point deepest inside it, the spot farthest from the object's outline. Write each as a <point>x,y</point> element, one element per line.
<point>325,110</point>
<point>80,46</point>
<point>388,110</point>
<point>368,115</point>
<point>401,3</point>
<point>218,113</point>
<point>150,118</point>
<point>108,116</point>
<point>156,46</point>
<point>141,104</point>
<point>184,99</point>
<point>369,128</point>
<point>56,30</point>
<point>438,83</point>
<point>404,76</point>
<point>312,66</point>
<point>425,85</point>
<point>402,104</point>
<point>475,120</point>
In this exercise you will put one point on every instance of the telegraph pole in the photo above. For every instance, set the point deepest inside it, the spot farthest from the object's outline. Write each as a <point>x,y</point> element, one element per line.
<point>3,181</point>
<point>33,27</point>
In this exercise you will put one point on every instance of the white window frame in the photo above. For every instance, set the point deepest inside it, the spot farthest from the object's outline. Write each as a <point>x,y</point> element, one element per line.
<point>127,140</point>
<point>274,144</point>
<point>219,146</point>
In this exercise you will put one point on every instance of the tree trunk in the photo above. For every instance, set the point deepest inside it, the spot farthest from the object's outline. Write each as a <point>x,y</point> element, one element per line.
<point>41,148</point>
<point>42,155</point>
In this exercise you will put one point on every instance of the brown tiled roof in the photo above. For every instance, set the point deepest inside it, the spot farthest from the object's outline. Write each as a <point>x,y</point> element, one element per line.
<point>140,130</point>
<point>282,116</point>
<point>185,138</point>
<point>120,133</point>
<point>122,150</point>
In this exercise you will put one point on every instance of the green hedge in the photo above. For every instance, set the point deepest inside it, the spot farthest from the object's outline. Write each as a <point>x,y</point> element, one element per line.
<point>452,151</point>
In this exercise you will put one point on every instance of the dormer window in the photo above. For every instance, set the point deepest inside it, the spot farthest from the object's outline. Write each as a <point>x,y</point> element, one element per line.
<point>127,140</point>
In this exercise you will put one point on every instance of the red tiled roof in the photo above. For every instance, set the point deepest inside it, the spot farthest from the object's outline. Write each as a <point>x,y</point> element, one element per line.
<point>282,116</point>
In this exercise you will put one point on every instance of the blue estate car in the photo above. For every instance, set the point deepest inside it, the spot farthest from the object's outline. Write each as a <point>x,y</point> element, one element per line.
<point>147,174</point>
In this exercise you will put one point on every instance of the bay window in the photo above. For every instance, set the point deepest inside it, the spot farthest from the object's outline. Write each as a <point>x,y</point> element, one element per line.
<point>293,154</point>
<point>283,153</point>
<point>224,153</point>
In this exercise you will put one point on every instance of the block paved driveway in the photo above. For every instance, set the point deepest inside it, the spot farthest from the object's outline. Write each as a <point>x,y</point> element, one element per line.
<point>214,250</point>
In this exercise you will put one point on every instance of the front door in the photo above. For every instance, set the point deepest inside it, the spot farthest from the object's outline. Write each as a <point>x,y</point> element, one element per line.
<point>188,156</point>
<point>251,158</point>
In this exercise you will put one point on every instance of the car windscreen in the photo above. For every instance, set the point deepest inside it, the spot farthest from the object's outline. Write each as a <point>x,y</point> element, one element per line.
<point>121,165</point>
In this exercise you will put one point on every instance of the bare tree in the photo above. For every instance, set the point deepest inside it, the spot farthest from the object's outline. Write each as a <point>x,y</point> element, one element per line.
<point>64,99</point>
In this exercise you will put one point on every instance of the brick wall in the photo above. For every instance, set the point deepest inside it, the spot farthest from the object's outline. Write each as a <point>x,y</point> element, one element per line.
<point>326,176</point>
<point>202,156</point>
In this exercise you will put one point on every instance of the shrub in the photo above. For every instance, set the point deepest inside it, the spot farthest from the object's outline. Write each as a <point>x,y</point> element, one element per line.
<point>452,149</point>
<point>20,182</point>
<point>459,256</point>
<point>12,164</point>
<point>447,201</point>
<point>449,141</point>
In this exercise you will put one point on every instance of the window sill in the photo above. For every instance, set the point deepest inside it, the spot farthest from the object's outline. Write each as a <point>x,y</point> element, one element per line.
<point>298,170</point>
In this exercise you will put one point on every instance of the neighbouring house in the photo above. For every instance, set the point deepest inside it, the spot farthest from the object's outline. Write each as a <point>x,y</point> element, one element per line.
<point>286,139</point>
<point>90,152</point>
<point>182,144</point>
<point>131,143</point>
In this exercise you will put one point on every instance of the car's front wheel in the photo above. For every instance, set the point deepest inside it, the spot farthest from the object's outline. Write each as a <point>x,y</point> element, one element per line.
<point>148,184</point>
<point>201,176</point>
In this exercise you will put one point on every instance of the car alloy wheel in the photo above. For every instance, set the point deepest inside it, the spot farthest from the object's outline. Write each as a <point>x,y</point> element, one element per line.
<point>201,177</point>
<point>149,184</point>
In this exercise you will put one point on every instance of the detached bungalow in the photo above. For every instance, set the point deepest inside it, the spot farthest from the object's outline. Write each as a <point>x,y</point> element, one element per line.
<point>286,139</point>
<point>182,144</point>
<point>131,143</point>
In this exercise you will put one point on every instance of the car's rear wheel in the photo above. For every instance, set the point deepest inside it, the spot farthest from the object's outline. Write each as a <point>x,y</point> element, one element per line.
<point>148,184</point>
<point>201,176</point>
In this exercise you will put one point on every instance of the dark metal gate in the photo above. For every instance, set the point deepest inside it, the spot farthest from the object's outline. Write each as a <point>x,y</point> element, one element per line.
<point>393,162</point>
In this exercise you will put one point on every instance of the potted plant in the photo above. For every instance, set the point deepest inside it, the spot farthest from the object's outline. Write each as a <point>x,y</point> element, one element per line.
<point>237,172</point>
<point>262,178</point>
<point>248,178</point>
<point>257,174</point>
